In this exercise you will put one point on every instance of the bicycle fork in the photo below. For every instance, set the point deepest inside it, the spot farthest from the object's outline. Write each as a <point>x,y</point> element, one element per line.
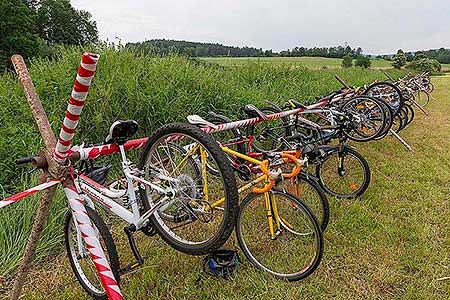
<point>271,213</point>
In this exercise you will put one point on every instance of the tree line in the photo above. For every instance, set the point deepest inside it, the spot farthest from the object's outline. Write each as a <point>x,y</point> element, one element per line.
<point>32,27</point>
<point>196,49</point>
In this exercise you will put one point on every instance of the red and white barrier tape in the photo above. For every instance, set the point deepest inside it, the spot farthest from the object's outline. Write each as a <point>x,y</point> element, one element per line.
<point>28,192</point>
<point>76,102</point>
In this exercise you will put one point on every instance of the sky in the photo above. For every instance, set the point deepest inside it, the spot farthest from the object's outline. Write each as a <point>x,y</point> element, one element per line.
<point>377,26</point>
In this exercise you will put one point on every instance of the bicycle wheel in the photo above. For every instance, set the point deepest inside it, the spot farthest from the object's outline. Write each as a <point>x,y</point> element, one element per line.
<point>368,118</point>
<point>200,217</point>
<point>80,259</point>
<point>387,92</point>
<point>343,173</point>
<point>297,249</point>
<point>430,87</point>
<point>422,98</point>
<point>398,123</point>
<point>411,113</point>
<point>389,113</point>
<point>269,135</point>
<point>305,187</point>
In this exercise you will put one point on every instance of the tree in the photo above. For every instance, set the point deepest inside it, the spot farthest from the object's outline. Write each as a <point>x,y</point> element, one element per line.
<point>59,23</point>
<point>347,61</point>
<point>17,33</point>
<point>362,61</point>
<point>399,60</point>
<point>419,55</point>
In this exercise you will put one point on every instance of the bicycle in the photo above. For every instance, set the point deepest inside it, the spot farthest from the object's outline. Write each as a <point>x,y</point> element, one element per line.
<point>173,199</point>
<point>339,170</point>
<point>304,186</point>
<point>278,210</point>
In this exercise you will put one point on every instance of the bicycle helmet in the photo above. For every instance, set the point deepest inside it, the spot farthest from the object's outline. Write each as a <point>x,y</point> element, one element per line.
<point>221,263</point>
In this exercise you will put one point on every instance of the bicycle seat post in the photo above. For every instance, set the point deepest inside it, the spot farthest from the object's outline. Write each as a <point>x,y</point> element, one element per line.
<point>126,167</point>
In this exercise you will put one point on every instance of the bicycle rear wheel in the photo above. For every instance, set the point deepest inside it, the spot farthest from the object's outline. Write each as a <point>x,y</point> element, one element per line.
<point>201,215</point>
<point>296,251</point>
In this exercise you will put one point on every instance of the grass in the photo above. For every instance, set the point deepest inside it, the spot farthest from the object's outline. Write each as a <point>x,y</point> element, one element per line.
<point>310,62</point>
<point>393,243</point>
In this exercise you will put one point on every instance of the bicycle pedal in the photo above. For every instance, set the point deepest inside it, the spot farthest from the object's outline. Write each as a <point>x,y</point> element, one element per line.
<point>129,268</point>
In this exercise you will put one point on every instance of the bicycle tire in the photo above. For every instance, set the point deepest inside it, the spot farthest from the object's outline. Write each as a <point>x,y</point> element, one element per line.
<point>359,188</point>
<point>396,106</point>
<point>230,209</point>
<point>109,248</point>
<point>316,199</point>
<point>288,262</point>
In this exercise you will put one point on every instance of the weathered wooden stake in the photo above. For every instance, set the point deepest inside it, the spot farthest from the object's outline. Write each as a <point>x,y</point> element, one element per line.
<point>47,195</point>
<point>57,169</point>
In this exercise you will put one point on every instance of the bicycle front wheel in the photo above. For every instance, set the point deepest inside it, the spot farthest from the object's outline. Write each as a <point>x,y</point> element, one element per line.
<point>296,249</point>
<point>199,217</point>
<point>80,259</point>
<point>343,173</point>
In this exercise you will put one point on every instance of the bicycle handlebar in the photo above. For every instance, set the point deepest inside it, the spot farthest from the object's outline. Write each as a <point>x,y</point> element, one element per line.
<point>297,168</point>
<point>265,169</point>
<point>287,158</point>
<point>25,160</point>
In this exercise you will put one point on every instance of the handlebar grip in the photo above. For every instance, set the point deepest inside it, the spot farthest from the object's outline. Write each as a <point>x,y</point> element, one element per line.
<point>342,81</point>
<point>25,160</point>
<point>286,157</point>
<point>265,167</point>
<point>266,188</point>
<point>295,171</point>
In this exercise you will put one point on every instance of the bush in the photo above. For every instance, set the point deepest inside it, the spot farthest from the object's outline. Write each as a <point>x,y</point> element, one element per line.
<point>425,65</point>
<point>363,61</point>
<point>347,61</point>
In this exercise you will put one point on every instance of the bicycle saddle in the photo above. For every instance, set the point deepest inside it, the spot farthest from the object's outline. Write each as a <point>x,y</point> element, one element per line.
<point>199,121</point>
<point>120,131</point>
<point>253,111</point>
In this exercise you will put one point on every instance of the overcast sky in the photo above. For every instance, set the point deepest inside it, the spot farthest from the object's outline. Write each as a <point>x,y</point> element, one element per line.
<point>378,26</point>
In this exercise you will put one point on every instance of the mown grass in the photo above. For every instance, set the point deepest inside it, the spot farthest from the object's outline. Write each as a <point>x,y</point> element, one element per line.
<point>392,243</point>
<point>310,62</point>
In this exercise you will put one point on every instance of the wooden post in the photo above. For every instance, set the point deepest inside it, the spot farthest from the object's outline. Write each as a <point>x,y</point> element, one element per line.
<point>53,168</point>
<point>58,170</point>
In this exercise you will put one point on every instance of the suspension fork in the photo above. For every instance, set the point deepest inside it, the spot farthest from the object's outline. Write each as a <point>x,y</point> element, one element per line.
<point>341,154</point>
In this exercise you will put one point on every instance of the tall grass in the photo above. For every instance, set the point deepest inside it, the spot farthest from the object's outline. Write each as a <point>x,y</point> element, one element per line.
<point>150,90</point>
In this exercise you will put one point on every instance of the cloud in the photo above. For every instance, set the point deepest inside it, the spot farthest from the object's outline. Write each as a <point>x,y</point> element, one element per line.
<point>381,26</point>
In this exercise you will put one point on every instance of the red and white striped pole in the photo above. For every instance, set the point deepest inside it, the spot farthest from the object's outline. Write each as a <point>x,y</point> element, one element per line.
<point>60,153</point>
<point>76,103</point>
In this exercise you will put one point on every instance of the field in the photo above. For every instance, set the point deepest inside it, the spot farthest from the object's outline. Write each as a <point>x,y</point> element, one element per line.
<point>310,62</point>
<point>393,243</point>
